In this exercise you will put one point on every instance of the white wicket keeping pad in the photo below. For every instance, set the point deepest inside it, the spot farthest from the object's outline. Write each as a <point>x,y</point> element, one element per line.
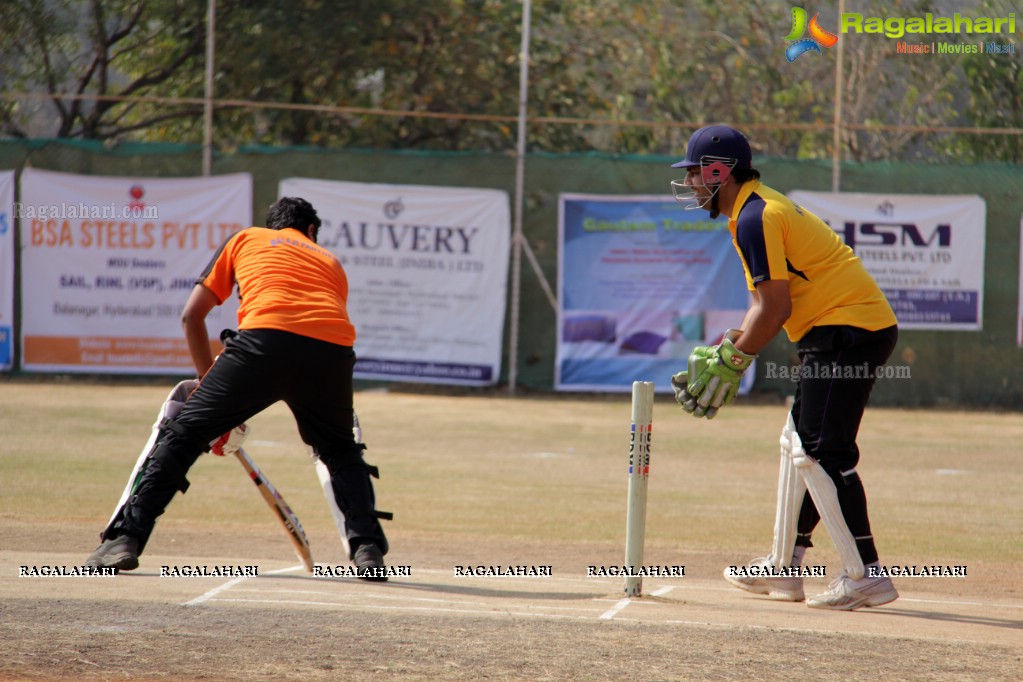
<point>825,497</point>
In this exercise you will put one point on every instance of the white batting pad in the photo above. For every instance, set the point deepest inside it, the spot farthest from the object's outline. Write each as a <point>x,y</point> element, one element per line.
<point>170,409</point>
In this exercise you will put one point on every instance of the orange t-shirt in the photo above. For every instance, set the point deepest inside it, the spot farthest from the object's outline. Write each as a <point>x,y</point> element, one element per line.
<point>285,281</point>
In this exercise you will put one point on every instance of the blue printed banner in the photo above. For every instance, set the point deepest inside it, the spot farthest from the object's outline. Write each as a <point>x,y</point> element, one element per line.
<point>641,282</point>
<point>6,268</point>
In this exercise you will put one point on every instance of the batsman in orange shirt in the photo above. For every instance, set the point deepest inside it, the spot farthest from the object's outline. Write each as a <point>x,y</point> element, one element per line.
<point>804,280</point>
<point>294,344</point>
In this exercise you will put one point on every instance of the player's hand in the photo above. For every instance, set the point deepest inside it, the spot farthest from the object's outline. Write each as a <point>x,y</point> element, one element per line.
<point>679,384</point>
<point>717,382</point>
<point>231,441</point>
<point>698,359</point>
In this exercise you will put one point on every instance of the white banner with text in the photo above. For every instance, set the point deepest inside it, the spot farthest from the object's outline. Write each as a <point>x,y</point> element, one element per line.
<point>427,271</point>
<point>108,263</point>
<point>926,252</point>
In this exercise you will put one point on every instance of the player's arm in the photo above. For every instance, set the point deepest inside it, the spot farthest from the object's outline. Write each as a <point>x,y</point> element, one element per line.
<point>771,307</point>
<point>193,319</point>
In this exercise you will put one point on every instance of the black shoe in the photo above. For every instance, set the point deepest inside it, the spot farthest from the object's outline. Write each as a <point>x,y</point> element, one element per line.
<point>121,553</point>
<point>369,563</point>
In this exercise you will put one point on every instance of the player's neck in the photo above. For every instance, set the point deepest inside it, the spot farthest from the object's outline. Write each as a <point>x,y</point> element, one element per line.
<point>726,198</point>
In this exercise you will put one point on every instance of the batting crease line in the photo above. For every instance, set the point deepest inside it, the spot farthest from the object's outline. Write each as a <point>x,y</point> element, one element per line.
<point>361,599</point>
<point>619,605</point>
<point>546,579</point>
<point>613,611</point>
<point>231,583</point>
<point>495,612</point>
<point>667,588</point>
<point>720,626</point>
<point>608,615</point>
<point>617,608</point>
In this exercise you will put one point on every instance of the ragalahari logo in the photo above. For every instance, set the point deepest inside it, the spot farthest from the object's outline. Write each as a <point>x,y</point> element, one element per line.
<point>818,36</point>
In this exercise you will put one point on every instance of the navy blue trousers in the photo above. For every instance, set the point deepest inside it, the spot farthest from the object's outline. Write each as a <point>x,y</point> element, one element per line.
<point>837,374</point>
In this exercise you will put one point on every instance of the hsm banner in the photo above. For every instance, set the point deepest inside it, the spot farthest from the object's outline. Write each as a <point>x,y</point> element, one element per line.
<point>641,282</point>
<point>6,270</point>
<point>427,271</point>
<point>926,252</point>
<point>108,263</point>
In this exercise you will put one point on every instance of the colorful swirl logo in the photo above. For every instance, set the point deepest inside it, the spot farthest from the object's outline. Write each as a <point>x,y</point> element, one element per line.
<point>818,36</point>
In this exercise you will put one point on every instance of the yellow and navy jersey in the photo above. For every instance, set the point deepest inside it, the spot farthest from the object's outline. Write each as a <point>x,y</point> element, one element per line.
<point>828,284</point>
<point>285,282</point>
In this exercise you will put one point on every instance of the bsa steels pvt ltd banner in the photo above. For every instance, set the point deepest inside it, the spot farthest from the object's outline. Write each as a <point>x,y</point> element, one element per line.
<point>108,263</point>
<point>641,282</point>
<point>427,270</point>
<point>926,252</point>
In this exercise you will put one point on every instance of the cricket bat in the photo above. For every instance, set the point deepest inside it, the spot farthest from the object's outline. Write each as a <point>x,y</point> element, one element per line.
<point>291,524</point>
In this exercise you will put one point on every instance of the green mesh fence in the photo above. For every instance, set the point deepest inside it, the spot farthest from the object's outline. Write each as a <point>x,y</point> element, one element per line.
<point>980,369</point>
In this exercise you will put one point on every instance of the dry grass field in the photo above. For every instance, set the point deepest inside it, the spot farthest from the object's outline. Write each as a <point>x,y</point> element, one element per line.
<point>477,478</point>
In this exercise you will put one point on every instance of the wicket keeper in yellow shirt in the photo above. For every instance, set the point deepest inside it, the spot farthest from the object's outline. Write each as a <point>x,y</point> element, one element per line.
<point>804,280</point>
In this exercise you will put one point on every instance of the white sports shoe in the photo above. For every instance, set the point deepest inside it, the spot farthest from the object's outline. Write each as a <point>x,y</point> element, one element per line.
<point>780,589</point>
<point>846,594</point>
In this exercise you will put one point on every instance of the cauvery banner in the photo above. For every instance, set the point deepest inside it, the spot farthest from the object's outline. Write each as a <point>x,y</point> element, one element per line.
<point>427,271</point>
<point>108,263</point>
<point>925,252</point>
<point>641,282</point>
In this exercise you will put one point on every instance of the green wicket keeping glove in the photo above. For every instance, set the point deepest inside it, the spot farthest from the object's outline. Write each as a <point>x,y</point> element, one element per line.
<point>718,382</point>
<point>698,360</point>
<point>679,384</point>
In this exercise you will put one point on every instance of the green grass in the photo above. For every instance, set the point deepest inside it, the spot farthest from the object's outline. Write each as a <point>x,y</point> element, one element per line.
<point>554,468</point>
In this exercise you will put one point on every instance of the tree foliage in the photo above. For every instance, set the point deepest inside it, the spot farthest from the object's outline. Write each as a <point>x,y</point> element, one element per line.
<point>88,54</point>
<point>621,76</point>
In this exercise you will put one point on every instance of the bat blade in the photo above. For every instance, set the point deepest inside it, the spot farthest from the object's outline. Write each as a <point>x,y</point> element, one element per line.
<point>281,510</point>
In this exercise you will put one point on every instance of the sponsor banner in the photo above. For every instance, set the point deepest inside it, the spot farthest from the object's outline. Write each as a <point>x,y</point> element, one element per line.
<point>427,272</point>
<point>641,282</point>
<point>926,252</point>
<point>108,263</point>
<point>6,270</point>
